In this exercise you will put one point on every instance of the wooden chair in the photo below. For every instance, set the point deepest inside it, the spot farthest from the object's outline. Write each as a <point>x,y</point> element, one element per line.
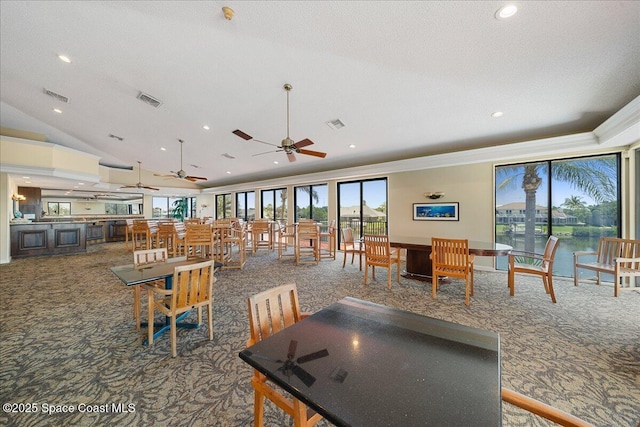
<point>260,235</point>
<point>451,258</point>
<point>235,241</point>
<point>178,238</point>
<point>378,253</point>
<point>330,236</point>
<point>350,246</point>
<point>307,243</point>
<point>140,236</point>
<point>146,257</point>
<point>192,288</point>
<point>270,312</point>
<point>534,263</point>
<point>199,241</point>
<point>542,409</point>
<point>285,236</point>
<point>128,235</point>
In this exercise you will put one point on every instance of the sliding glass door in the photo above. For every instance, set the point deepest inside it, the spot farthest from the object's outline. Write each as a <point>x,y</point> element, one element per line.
<point>363,206</point>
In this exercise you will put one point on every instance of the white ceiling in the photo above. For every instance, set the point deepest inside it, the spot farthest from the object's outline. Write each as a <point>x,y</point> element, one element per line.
<point>408,78</point>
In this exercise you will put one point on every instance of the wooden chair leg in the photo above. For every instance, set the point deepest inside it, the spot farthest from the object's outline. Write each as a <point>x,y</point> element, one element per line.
<point>150,320</point>
<point>258,409</point>
<point>434,285</point>
<point>466,291</point>
<point>550,285</point>
<point>210,317</point>
<point>389,277</point>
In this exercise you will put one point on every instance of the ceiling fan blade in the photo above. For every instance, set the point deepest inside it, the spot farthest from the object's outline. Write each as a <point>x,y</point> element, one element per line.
<point>266,152</point>
<point>292,157</point>
<point>304,376</point>
<point>291,353</point>
<point>196,178</point>
<point>268,143</point>
<point>313,356</point>
<point>312,153</point>
<point>303,143</point>
<point>151,188</point>
<point>165,176</point>
<point>242,135</point>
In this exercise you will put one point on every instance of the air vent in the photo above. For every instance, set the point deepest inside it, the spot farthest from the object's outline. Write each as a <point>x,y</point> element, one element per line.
<point>335,124</point>
<point>148,99</point>
<point>57,96</point>
<point>228,156</point>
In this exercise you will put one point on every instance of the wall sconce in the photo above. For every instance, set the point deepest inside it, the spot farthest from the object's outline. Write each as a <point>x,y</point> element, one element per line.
<point>228,13</point>
<point>436,195</point>
<point>18,197</point>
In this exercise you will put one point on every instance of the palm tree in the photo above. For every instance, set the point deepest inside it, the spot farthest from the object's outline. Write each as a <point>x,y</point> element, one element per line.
<point>594,177</point>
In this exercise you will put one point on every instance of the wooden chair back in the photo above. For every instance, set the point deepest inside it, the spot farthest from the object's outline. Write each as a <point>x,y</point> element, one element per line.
<point>260,235</point>
<point>542,409</point>
<point>270,312</point>
<point>199,241</point>
<point>192,288</point>
<point>378,253</point>
<point>451,258</point>
<point>150,256</point>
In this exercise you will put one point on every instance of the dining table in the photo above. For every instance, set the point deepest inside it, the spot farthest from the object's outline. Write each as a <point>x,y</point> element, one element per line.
<point>358,363</point>
<point>418,248</point>
<point>132,275</point>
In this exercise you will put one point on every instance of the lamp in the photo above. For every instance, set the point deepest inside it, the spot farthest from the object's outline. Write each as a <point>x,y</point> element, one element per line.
<point>435,195</point>
<point>18,197</point>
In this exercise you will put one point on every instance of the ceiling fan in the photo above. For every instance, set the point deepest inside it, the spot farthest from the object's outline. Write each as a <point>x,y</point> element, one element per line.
<point>181,174</point>
<point>287,145</point>
<point>139,184</point>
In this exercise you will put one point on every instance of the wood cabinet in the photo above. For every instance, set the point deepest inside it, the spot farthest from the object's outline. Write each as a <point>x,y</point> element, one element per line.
<point>48,238</point>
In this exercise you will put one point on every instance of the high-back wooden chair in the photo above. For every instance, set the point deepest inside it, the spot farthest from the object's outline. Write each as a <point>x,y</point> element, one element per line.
<point>235,241</point>
<point>260,235</point>
<point>379,253</point>
<point>451,258</point>
<point>142,258</point>
<point>542,409</point>
<point>350,246</point>
<point>140,236</point>
<point>536,264</point>
<point>307,243</point>
<point>330,236</point>
<point>199,241</point>
<point>285,236</point>
<point>128,234</point>
<point>192,287</point>
<point>270,312</point>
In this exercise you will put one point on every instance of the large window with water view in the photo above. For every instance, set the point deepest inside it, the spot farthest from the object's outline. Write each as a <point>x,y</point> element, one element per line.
<point>576,200</point>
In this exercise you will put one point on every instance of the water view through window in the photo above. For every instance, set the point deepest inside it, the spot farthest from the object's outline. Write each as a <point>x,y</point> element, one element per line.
<point>576,200</point>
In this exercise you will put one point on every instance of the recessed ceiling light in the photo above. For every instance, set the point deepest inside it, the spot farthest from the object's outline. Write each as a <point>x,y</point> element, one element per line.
<point>64,58</point>
<point>57,110</point>
<point>228,172</point>
<point>81,183</point>
<point>205,127</point>
<point>163,149</point>
<point>506,11</point>
<point>497,114</point>
<point>26,177</point>
<point>27,182</point>
<point>352,145</point>
<point>275,162</point>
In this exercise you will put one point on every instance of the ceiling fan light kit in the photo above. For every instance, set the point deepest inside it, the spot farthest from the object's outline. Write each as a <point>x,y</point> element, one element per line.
<point>139,185</point>
<point>287,145</point>
<point>181,174</point>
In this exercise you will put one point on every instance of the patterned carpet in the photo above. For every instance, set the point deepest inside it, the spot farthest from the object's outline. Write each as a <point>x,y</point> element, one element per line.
<point>67,337</point>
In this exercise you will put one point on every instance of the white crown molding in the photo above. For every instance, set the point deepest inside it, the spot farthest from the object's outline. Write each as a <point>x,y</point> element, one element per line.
<point>623,128</point>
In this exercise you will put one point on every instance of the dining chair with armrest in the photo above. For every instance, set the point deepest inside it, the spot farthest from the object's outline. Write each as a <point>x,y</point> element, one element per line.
<point>199,241</point>
<point>307,243</point>
<point>451,258</point>
<point>350,246</point>
<point>270,312</point>
<point>142,258</point>
<point>542,409</point>
<point>192,287</point>
<point>330,235</point>
<point>536,264</point>
<point>379,253</point>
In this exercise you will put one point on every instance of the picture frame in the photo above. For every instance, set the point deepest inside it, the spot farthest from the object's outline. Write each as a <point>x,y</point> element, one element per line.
<point>436,211</point>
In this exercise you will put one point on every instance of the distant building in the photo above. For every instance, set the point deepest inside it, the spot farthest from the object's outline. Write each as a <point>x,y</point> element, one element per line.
<point>513,213</point>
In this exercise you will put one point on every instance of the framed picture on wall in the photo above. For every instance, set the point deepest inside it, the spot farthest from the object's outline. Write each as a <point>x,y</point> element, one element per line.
<point>436,212</point>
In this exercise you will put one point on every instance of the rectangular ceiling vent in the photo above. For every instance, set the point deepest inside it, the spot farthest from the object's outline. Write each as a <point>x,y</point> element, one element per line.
<point>57,96</point>
<point>148,99</point>
<point>336,124</point>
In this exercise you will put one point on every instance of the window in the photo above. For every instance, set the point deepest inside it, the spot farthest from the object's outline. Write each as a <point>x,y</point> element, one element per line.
<point>59,208</point>
<point>246,205</point>
<point>223,206</point>
<point>363,206</point>
<point>274,205</point>
<point>173,207</point>
<point>577,200</point>
<point>311,203</point>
